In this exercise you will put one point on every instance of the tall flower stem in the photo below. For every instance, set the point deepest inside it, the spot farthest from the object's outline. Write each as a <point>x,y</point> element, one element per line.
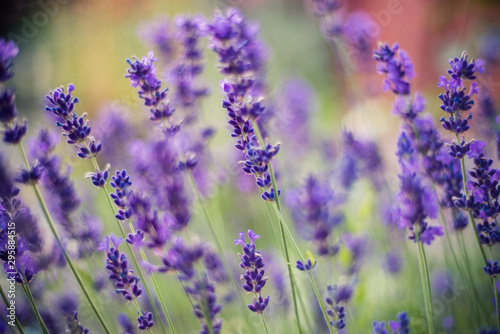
<point>495,292</point>
<point>218,244</point>
<point>264,323</point>
<point>283,237</point>
<point>461,267</point>
<point>284,228</point>
<point>35,309</point>
<point>426,284</point>
<point>471,218</point>
<point>61,246</point>
<point>134,260</point>
<point>7,304</point>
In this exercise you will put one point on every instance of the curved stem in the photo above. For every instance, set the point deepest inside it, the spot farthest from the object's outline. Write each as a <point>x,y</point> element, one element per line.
<point>6,301</point>
<point>63,249</point>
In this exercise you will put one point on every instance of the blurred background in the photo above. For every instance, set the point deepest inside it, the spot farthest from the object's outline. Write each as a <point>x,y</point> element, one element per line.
<point>87,43</point>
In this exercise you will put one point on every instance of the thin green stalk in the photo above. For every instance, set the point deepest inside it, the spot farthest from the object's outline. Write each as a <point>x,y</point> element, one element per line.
<point>472,288</point>
<point>156,313</point>
<point>6,301</point>
<point>35,309</point>
<point>283,238</point>
<point>495,291</point>
<point>320,300</point>
<point>135,262</point>
<point>426,285</point>
<point>264,323</point>
<point>155,285</point>
<point>61,245</point>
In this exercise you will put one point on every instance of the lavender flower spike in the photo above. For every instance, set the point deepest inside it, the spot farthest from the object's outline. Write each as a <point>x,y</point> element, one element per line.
<point>253,264</point>
<point>126,282</point>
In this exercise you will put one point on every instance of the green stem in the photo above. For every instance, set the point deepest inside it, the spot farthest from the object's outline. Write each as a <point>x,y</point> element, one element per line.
<point>495,292</point>
<point>134,260</point>
<point>264,323</point>
<point>426,285</point>
<point>155,285</point>
<point>63,250</point>
<point>471,218</point>
<point>6,301</point>
<point>35,309</point>
<point>283,238</point>
<point>320,300</point>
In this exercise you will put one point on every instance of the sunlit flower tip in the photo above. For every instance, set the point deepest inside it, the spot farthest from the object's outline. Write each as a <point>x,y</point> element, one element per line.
<point>145,320</point>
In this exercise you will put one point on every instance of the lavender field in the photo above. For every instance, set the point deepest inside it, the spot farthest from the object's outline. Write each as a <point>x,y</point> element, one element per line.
<point>250,166</point>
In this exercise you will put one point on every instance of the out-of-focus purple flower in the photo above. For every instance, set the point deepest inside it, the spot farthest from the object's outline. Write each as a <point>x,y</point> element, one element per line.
<point>357,245</point>
<point>416,202</point>
<point>314,210</point>
<point>160,35</point>
<point>253,263</point>
<point>401,326</point>
<point>214,266</point>
<point>8,51</point>
<point>190,65</point>
<point>74,326</point>
<point>396,65</point>
<point>181,258</point>
<point>205,305</point>
<point>392,262</point>
<point>359,32</point>
<point>325,7</point>
<point>408,110</point>
<point>449,323</point>
<point>13,131</point>
<point>127,325</point>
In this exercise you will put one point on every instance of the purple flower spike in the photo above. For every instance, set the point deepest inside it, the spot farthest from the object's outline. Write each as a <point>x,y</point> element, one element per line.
<point>126,282</point>
<point>8,51</point>
<point>74,127</point>
<point>253,264</point>
<point>145,321</point>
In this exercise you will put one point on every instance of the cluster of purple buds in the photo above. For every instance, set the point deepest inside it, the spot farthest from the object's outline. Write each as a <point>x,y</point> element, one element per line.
<point>126,282</point>
<point>401,326</point>
<point>335,311</point>
<point>13,131</point>
<point>145,321</point>
<point>74,326</point>
<point>205,305</point>
<point>142,73</point>
<point>492,268</point>
<point>483,188</point>
<point>100,177</point>
<point>455,101</point>
<point>488,233</point>
<point>75,127</point>
<point>395,64</point>
<point>307,265</point>
<point>121,183</point>
<point>253,263</point>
